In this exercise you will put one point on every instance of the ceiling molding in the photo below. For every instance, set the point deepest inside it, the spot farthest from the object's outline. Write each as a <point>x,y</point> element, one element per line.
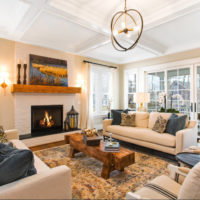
<point>30,17</point>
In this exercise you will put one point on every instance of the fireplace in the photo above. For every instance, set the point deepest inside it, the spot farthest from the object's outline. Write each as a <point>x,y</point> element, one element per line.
<point>46,119</point>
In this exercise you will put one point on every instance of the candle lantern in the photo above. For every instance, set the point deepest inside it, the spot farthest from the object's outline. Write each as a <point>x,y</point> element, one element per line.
<point>71,121</point>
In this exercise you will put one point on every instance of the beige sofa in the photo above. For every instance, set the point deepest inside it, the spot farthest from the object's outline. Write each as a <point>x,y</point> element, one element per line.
<point>48,183</point>
<point>143,134</point>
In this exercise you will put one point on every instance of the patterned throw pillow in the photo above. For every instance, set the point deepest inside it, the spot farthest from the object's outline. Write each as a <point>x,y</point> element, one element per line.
<point>160,125</point>
<point>3,137</point>
<point>128,120</point>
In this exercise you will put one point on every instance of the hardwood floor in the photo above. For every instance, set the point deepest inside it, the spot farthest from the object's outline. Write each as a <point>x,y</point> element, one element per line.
<point>46,146</point>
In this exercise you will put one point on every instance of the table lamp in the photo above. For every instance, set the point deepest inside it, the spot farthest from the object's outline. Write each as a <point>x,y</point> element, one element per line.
<point>141,98</point>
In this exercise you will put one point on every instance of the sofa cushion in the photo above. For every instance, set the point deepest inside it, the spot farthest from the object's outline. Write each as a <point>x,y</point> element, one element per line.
<point>163,182</point>
<point>116,116</point>
<point>154,116</point>
<point>160,125</point>
<point>191,185</point>
<point>144,134</point>
<point>15,164</point>
<point>39,165</point>
<point>175,123</point>
<point>141,119</point>
<point>128,119</point>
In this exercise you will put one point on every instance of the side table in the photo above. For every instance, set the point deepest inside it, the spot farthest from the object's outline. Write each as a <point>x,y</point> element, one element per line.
<point>187,158</point>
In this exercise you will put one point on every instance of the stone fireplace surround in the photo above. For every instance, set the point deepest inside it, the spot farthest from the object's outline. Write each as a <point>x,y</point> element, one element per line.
<point>24,101</point>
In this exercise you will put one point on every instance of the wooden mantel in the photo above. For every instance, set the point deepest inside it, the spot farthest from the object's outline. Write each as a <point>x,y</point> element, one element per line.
<point>16,88</point>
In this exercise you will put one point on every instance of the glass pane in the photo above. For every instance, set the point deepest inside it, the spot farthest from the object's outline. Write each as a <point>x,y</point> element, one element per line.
<point>131,90</point>
<point>156,85</point>
<point>178,86</point>
<point>132,83</point>
<point>105,102</point>
<point>198,97</point>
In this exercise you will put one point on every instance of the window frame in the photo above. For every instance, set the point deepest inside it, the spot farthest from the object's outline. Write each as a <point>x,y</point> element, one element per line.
<point>165,69</point>
<point>126,92</point>
<point>98,112</point>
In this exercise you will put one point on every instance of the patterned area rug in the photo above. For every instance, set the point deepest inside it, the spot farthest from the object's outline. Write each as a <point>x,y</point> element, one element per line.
<point>87,182</point>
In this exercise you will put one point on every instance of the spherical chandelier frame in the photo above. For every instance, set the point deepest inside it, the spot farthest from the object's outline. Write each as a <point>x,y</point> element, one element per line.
<point>114,40</point>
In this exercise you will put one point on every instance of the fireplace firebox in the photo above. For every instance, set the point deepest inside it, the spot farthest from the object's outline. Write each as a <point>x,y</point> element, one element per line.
<point>47,119</point>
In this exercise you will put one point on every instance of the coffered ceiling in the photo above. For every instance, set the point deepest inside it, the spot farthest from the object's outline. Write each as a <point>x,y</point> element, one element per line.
<point>83,26</point>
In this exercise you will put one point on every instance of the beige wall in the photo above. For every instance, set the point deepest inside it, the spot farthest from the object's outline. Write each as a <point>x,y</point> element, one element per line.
<point>186,55</point>
<point>7,49</point>
<point>11,52</point>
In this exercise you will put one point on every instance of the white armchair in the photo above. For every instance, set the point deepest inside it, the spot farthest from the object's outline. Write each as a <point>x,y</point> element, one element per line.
<point>163,186</point>
<point>48,183</point>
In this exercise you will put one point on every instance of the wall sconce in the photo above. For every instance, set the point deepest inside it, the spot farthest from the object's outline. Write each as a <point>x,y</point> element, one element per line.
<point>4,77</point>
<point>4,86</point>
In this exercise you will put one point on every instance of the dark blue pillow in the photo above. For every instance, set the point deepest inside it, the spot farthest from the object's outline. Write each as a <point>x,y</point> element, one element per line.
<point>175,123</point>
<point>15,164</point>
<point>116,116</point>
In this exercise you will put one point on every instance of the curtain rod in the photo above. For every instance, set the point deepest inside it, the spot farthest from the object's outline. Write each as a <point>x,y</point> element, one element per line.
<point>86,61</point>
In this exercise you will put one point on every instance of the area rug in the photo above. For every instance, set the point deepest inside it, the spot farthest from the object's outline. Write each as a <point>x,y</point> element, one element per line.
<point>86,173</point>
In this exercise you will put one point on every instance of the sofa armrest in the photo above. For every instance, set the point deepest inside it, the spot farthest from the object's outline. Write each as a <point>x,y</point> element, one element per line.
<point>192,124</point>
<point>106,122</point>
<point>12,134</point>
<point>131,195</point>
<point>54,183</point>
<point>186,138</point>
<point>175,170</point>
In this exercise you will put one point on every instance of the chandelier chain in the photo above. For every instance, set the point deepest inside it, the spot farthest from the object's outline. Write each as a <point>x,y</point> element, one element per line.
<point>125,7</point>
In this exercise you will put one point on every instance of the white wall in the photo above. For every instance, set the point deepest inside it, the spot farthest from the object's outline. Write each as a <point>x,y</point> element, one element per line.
<point>15,108</point>
<point>7,66</point>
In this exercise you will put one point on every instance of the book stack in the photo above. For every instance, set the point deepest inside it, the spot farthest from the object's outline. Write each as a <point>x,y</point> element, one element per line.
<point>112,147</point>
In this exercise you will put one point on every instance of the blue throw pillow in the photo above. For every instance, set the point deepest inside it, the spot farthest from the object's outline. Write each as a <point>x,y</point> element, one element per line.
<point>116,116</point>
<point>175,123</point>
<point>15,164</point>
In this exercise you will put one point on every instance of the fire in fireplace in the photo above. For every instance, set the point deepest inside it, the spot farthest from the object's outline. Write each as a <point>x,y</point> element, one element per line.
<point>46,119</point>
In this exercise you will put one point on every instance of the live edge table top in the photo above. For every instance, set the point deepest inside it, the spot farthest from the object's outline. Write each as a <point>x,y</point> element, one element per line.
<point>111,161</point>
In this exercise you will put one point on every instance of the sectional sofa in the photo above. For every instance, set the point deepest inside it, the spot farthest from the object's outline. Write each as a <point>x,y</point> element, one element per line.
<point>48,183</point>
<point>143,134</point>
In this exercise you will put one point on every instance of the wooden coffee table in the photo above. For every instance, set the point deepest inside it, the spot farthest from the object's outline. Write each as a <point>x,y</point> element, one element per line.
<point>111,161</point>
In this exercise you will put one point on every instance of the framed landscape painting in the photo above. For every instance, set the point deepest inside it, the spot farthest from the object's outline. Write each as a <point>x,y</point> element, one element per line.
<point>48,71</point>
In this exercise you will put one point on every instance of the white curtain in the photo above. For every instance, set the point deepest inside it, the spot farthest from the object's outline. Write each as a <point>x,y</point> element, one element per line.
<point>99,84</point>
<point>86,114</point>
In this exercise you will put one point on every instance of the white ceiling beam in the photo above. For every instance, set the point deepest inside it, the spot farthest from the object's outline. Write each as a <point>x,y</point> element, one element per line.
<point>37,6</point>
<point>164,16</point>
<point>103,35</point>
<point>94,42</point>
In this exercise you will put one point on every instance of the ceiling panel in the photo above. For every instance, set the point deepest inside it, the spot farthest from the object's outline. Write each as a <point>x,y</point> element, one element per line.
<point>54,31</point>
<point>108,53</point>
<point>11,13</point>
<point>180,34</point>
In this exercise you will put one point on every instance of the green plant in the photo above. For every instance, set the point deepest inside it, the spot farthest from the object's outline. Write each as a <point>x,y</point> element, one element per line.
<point>169,110</point>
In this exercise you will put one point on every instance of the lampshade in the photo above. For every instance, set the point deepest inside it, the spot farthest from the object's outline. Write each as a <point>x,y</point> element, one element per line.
<point>142,97</point>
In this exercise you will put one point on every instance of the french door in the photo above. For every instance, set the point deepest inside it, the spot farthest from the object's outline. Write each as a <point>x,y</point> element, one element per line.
<point>177,83</point>
<point>195,105</point>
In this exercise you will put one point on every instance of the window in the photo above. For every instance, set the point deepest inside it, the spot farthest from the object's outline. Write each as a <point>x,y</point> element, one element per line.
<point>101,89</point>
<point>178,89</point>
<point>130,87</point>
<point>155,85</point>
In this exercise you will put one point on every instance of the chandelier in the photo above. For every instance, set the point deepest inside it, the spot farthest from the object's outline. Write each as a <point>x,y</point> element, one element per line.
<point>126,29</point>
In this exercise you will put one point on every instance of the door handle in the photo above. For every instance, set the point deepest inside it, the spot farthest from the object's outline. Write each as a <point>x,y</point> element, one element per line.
<point>191,107</point>
<point>195,107</point>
